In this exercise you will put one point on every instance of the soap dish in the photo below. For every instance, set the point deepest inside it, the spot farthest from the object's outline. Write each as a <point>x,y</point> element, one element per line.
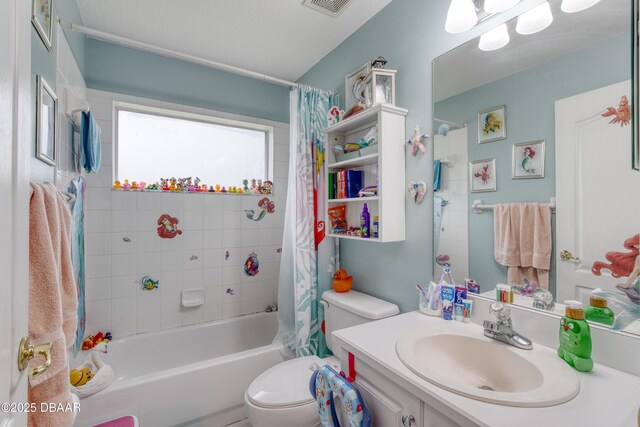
<point>192,297</point>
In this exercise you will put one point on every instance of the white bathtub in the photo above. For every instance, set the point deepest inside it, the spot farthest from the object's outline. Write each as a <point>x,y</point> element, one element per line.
<point>194,375</point>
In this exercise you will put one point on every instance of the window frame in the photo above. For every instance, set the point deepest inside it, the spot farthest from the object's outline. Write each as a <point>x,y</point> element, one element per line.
<point>119,106</point>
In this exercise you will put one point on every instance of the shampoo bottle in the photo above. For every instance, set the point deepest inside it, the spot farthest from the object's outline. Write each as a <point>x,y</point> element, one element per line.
<point>365,222</point>
<point>598,311</point>
<point>575,338</point>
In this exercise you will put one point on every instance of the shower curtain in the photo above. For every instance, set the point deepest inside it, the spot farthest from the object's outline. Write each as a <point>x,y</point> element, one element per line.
<point>308,259</point>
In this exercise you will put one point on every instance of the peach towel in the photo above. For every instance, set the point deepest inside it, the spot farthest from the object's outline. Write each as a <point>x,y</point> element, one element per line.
<point>52,302</point>
<point>522,241</point>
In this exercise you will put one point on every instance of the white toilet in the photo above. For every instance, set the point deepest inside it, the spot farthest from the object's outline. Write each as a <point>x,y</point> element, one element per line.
<point>279,397</point>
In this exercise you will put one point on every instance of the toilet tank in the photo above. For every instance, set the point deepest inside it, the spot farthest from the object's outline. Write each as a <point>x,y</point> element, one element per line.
<point>346,309</point>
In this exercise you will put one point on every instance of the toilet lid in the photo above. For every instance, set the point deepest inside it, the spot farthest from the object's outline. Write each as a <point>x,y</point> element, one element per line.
<point>286,384</point>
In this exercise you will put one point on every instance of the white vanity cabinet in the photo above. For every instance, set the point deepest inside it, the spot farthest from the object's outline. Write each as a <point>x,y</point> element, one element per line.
<point>391,405</point>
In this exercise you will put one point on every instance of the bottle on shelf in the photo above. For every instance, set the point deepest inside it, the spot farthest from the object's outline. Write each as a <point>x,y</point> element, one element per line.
<point>365,223</point>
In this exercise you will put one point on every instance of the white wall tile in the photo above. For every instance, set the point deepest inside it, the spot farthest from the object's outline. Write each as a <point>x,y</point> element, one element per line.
<point>212,224</point>
<point>148,323</point>
<point>170,320</point>
<point>123,308</point>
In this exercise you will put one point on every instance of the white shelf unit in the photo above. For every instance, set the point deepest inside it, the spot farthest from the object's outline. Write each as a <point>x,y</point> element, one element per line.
<point>386,168</point>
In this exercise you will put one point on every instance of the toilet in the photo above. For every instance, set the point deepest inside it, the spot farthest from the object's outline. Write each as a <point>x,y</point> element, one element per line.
<point>280,395</point>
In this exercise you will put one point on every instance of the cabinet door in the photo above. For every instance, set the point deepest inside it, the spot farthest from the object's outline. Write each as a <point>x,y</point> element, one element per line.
<point>389,404</point>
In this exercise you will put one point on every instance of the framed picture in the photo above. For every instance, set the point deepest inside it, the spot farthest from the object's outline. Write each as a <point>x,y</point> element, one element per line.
<point>482,174</point>
<point>41,18</point>
<point>354,86</point>
<point>528,160</point>
<point>46,113</point>
<point>492,124</point>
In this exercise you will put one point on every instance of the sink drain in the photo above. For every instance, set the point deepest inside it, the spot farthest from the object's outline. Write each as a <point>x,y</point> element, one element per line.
<point>485,387</point>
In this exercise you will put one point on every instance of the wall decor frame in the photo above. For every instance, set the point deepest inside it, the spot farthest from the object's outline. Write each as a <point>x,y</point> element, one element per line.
<point>354,86</point>
<point>492,124</point>
<point>482,175</point>
<point>46,122</point>
<point>528,160</point>
<point>42,20</point>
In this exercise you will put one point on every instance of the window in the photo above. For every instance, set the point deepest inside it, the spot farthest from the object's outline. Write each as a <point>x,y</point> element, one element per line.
<point>154,144</point>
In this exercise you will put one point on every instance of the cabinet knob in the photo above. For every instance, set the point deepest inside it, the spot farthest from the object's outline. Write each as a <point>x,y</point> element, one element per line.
<point>408,420</point>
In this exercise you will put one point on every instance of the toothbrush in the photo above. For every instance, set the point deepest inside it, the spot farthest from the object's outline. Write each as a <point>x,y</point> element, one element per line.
<point>418,287</point>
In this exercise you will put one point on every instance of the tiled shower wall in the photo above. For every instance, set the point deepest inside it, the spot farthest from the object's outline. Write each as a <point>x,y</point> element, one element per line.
<point>122,244</point>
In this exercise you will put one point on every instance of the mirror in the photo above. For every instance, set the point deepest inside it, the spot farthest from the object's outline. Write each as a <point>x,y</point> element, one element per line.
<point>545,119</point>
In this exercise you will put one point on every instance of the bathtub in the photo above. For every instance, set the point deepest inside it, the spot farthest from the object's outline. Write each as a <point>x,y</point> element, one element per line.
<point>194,375</point>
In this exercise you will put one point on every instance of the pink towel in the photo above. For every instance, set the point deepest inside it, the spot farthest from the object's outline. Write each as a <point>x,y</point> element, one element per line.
<point>52,302</point>
<point>522,241</point>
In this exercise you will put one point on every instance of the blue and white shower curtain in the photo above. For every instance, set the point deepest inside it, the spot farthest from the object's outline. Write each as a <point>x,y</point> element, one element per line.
<point>308,259</point>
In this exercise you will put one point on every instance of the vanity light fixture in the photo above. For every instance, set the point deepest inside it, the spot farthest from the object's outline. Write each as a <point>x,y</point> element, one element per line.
<point>461,16</point>
<point>494,39</point>
<point>572,6</point>
<point>497,6</point>
<point>534,20</point>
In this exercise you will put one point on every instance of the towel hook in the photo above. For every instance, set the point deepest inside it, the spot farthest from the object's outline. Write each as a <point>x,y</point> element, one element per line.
<point>26,352</point>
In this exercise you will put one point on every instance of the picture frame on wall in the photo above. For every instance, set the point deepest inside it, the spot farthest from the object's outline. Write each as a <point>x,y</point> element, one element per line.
<point>528,160</point>
<point>46,126</point>
<point>492,124</point>
<point>482,175</point>
<point>42,20</point>
<point>355,86</point>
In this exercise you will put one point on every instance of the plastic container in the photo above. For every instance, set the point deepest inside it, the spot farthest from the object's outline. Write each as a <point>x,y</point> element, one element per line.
<point>374,229</point>
<point>431,304</point>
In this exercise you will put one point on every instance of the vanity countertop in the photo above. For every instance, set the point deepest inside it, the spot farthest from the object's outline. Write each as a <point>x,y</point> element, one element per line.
<point>607,397</point>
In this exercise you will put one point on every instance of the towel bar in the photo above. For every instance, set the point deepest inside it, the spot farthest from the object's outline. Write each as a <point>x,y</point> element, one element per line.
<point>478,207</point>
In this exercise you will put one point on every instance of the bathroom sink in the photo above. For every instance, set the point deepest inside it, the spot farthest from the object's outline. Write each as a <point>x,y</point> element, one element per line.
<point>488,370</point>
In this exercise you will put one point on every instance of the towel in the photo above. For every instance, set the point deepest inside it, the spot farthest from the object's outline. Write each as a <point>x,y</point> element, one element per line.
<point>91,147</point>
<point>52,302</point>
<point>437,169</point>
<point>522,241</point>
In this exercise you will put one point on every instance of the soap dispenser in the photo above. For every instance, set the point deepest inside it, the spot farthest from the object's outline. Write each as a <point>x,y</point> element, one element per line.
<point>598,311</point>
<point>575,338</point>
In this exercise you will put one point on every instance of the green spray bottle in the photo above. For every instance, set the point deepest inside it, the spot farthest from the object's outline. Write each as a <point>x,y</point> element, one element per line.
<point>575,338</point>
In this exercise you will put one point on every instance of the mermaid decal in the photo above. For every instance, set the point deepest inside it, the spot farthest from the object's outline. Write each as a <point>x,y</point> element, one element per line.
<point>168,227</point>
<point>624,264</point>
<point>528,155</point>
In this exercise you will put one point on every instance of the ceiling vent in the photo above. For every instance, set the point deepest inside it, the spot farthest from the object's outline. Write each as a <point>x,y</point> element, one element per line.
<point>329,7</point>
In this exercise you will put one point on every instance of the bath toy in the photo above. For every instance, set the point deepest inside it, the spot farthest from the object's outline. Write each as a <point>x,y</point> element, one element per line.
<point>224,190</point>
<point>80,377</point>
<point>117,185</point>
<point>342,282</point>
<point>217,188</point>
<point>245,186</point>
<point>142,186</point>
<point>211,189</point>
<point>203,189</point>
<point>267,187</point>
<point>416,141</point>
<point>101,378</point>
<point>134,185</point>
<point>93,340</point>
<point>253,185</point>
<point>126,185</point>
<point>164,184</point>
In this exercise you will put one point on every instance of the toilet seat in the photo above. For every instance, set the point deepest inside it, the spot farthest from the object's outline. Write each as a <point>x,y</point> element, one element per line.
<point>285,385</point>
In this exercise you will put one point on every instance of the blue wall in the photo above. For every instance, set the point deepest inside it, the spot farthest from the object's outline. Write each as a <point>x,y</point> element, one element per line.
<point>410,34</point>
<point>120,69</point>
<point>529,97</point>
<point>44,63</point>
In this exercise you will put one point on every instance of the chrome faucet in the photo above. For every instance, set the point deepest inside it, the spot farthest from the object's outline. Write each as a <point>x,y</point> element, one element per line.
<point>502,329</point>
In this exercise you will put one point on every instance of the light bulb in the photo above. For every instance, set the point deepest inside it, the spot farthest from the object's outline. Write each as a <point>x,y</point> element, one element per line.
<point>571,6</point>
<point>494,39</point>
<point>534,20</point>
<point>461,16</point>
<point>497,6</point>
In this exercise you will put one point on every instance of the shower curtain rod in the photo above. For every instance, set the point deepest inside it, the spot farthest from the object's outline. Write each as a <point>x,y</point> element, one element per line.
<point>101,35</point>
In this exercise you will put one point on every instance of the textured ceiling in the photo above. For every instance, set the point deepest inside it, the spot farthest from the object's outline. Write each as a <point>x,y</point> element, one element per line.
<point>467,67</point>
<point>281,38</point>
